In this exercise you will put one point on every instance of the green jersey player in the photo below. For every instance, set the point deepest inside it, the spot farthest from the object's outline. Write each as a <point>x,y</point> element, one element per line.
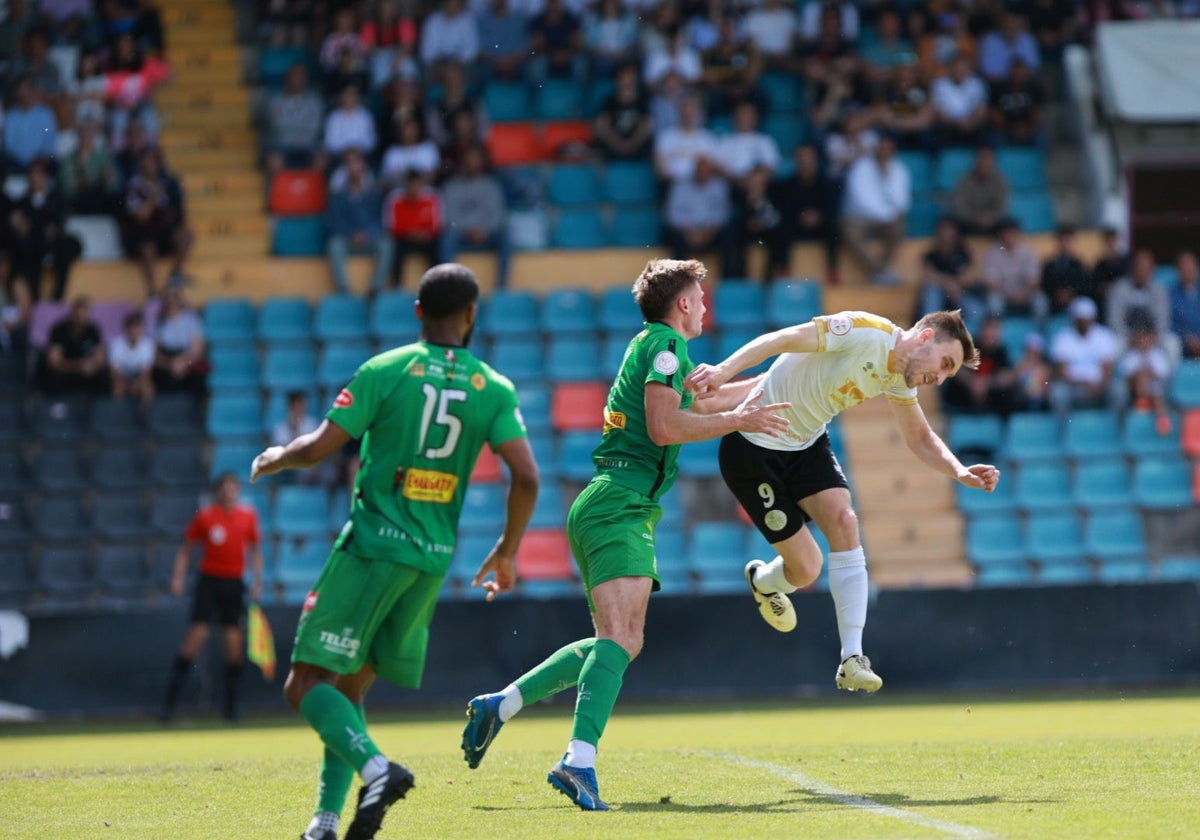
<point>611,524</point>
<point>423,412</point>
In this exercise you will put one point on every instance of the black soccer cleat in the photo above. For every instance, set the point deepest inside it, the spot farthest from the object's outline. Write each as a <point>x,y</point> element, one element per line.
<point>324,835</point>
<point>375,799</point>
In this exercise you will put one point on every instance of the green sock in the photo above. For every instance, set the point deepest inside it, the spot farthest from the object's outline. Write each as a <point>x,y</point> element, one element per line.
<point>336,720</point>
<point>337,776</point>
<point>558,672</point>
<point>599,684</point>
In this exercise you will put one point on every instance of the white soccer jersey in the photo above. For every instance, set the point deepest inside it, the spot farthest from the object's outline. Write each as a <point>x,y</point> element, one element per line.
<point>849,367</point>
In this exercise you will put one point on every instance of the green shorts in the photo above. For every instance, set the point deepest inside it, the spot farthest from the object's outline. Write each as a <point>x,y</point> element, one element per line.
<point>368,612</point>
<point>611,530</point>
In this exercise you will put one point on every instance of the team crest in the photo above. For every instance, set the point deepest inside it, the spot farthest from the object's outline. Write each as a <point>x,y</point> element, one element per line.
<point>840,324</point>
<point>478,382</point>
<point>666,363</point>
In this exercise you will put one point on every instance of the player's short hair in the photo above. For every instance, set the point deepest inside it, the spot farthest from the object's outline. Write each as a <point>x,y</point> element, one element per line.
<point>661,282</point>
<point>949,326</point>
<point>447,289</point>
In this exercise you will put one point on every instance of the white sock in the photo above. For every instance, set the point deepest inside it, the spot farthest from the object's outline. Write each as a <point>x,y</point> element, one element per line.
<point>580,754</point>
<point>322,821</point>
<point>848,585</point>
<point>375,767</point>
<point>512,703</point>
<point>770,578</point>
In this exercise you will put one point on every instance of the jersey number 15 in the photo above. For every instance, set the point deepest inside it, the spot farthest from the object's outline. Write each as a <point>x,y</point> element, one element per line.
<point>439,401</point>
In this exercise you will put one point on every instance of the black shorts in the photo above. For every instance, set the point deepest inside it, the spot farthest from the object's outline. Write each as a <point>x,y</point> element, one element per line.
<point>769,483</point>
<point>222,600</point>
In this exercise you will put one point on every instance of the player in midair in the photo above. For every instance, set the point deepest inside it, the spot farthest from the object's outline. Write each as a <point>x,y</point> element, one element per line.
<point>824,367</point>
<point>423,412</point>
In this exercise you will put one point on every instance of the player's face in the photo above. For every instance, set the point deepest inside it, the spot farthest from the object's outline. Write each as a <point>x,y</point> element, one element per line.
<point>933,363</point>
<point>693,323</point>
<point>227,492</point>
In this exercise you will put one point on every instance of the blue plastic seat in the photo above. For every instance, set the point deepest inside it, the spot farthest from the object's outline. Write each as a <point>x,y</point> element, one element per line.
<point>573,358</point>
<point>922,216</point>
<point>569,311</point>
<point>1044,486</point>
<point>235,416</point>
<point>630,182</point>
<point>1166,275</point>
<point>120,517</point>
<point>290,368</point>
<point>276,408</point>
<point>1034,210</point>
<point>699,459</point>
<point>1054,538</point>
<point>793,301</point>
<point>671,560</point>
<point>62,419</point>
<point>1067,573</point>
<point>551,508</point>
<point>483,509</point>
<point>1102,484</point>
<point>507,101</point>
<point>229,321</point>
<point>716,556</point>
<point>284,319</point>
<point>298,567</point>
<point>171,512</point>
<point>119,467</point>
<point>1185,384</point>
<point>16,576</point>
<point>560,99</point>
<point>636,227</point>
<point>339,362</point>
<point>15,525</point>
<point>1033,437</point>
<point>952,164</point>
<point>340,317</point>
<point>1015,330</point>
<point>121,419</point>
<point>394,319</point>
<point>61,518</point>
<point>275,62</point>
<point>612,353</point>
<point>1179,567</point>
<point>618,312</point>
<point>61,469</point>
<point>233,368</point>
<point>509,313</point>
<point>1163,484</point>
<point>740,305</point>
<point>1004,576</point>
<point>520,359</point>
<point>1124,571</point>
<point>787,130</point>
<point>784,91</point>
<point>1112,535</point>
<point>65,572</point>
<point>176,417</point>
<point>233,456</point>
<point>301,511</point>
<point>573,184</point>
<point>975,433</point>
<point>1140,438</point>
<point>1092,434</point>
<point>298,236</point>
<point>731,339</point>
<point>1023,166</point>
<point>469,553</point>
<point>534,399</point>
<point>579,229</point>
<point>920,170</point>
<point>994,540</point>
<point>544,444</point>
<point>575,455</point>
<point>177,465</point>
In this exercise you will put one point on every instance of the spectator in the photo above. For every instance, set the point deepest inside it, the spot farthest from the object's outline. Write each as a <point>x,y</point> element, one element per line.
<point>352,220</point>
<point>852,138</point>
<point>1083,355</point>
<point>475,214</point>
<point>1034,373</point>
<point>413,214</point>
<point>732,68</point>
<point>399,100</point>
<point>349,125</point>
<point>412,151</point>
<point>806,204</point>
<point>89,92</point>
<point>131,361</point>
<point>1012,275</point>
<point>180,363</point>
<point>814,11</point>
<point>746,149</point>
<point>980,197</point>
<point>946,38</point>
<point>20,19</point>
<point>760,219</point>
<point>675,56</point>
<point>1063,276</point>
<point>1145,368</point>
<point>946,275</point>
<point>992,387</point>
<point>443,116</point>
<point>1185,304</point>
<point>697,216</point>
<point>1001,47</point>
<point>88,176</point>
<point>16,310</point>
<point>905,110</point>
<point>504,35</point>
<point>1110,266</point>
<point>30,130</point>
<point>961,100</point>
<point>623,128</point>
<point>74,361</point>
<point>890,50</point>
<point>69,18</point>
<point>449,37</point>
<point>344,41</point>
<point>300,421</point>
<point>35,65</point>
<point>1016,108</point>
<point>464,137</point>
<point>878,195</point>
<point>556,44</point>
<point>36,233</point>
<point>831,60</point>
<point>1138,292</point>
<point>138,138</point>
<point>676,150</point>
<point>391,39</point>
<point>130,83</point>
<point>772,27</point>
<point>1054,24</point>
<point>610,34</point>
<point>152,221</point>
<point>293,123</point>
<point>136,17</point>
<point>666,103</point>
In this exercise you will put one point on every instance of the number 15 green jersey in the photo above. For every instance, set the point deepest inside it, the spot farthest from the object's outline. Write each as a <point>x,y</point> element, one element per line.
<point>423,412</point>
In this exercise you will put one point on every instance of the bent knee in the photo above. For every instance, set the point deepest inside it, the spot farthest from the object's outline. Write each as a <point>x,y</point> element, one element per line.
<point>630,641</point>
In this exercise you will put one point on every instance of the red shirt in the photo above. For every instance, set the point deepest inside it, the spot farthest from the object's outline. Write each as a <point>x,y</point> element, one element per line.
<point>407,215</point>
<point>225,534</point>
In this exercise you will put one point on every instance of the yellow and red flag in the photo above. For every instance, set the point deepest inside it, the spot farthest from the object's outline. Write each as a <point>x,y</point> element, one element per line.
<point>260,642</point>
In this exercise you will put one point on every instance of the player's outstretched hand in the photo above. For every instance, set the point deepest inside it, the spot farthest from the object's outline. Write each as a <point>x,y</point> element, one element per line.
<point>705,380</point>
<point>266,463</point>
<point>503,567</point>
<point>980,476</point>
<point>753,416</point>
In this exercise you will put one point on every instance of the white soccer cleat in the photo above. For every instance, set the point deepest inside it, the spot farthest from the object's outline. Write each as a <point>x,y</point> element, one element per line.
<point>855,674</point>
<point>775,607</point>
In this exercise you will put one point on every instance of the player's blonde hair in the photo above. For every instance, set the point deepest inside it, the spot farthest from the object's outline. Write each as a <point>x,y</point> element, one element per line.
<point>661,282</point>
<point>949,326</point>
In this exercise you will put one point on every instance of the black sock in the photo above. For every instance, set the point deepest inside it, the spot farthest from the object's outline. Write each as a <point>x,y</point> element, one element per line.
<point>180,669</point>
<point>232,674</point>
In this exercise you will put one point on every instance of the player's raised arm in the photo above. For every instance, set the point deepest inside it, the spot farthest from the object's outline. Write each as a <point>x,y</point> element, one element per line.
<point>668,424</point>
<point>728,396</point>
<point>801,338</point>
<point>303,452</point>
<point>932,450</point>
<point>522,496</point>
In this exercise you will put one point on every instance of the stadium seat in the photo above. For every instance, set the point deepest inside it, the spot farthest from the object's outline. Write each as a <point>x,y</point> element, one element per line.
<point>730,340</point>
<point>14,474</point>
<point>787,130</point>
<point>534,399</point>
<point>235,416</point>
<point>716,556</point>
<point>1015,330</point>
<point>65,571</point>
<point>922,216</point>
<point>520,359</point>
<point>1141,438</point>
<point>1191,433</point>
<point>575,455</point>
<point>171,512</point>
<point>469,552</point>
<point>298,236</point>
<point>1054,538</point>
<point>12,412</point>
<point>740,305</point>
<point>298,567</point>
<point>289,368</point>
<point>121,569</point>
<point>699,459</point>
<point>120,517</point>
<point>228,321</point>
<point>1124,571</point>
<point>920,170</point>
<point>559,99</point>
<point>671,560</point>
<point>300,511</point>
<point>1004,576</point>
<point>507,101</point>
<point>99,235</point>
<point>1066,573</point>
<point>573,358</point>
<point>61,518</point>
<point>284,319</point>
<point>1112,535</point>
<point>14,524</point>
<point>233,456</point>
<point>483,509</point>
<point>578,229</point>
<point>975,433</point>
<point>513,144</point>
<point>630,182</point>
<point>16,578</point>
<point>340,317</point>
<point>274,63</point>
<point>1033,437</point>
<point>233,368</point>
<point>1044,486</point>
<point>634,227</point>
<point>545,555</point>
<point>339,362</point>
<point>61,469</point>
<point>994,541</point>
<point>952,164</point>
<point>578,406</point>
<point>1034,210</point>
<point>510,313</point>
<point>1185,384</point>
<point>783,92</point>
<point>1163,484</point>
<point>119,467</point>
<point>1166,275</point>
<point>1023,166</point>
<point>619,313</point>
<point>394,319</point>
<point>568,311</point>
<point>563,134</point>
<point>1180,567</point>
<point>573,184</point>
<point>176,417</point>
<point>1102,484</point>
<point>60,419</point>
<point>1092,434</point>
<point>792,301</point>
<point>488,467</point>
<point>297,193</point>
<point>612,353</point>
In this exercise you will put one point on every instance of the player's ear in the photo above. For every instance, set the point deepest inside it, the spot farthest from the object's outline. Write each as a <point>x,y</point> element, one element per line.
<point>925,335</point>
<point>419,310</point>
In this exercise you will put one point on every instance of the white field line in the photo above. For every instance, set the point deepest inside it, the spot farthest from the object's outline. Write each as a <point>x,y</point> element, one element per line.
<point>853,800</point>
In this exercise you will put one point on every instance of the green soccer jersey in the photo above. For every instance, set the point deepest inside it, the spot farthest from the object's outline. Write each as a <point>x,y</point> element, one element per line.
<point>626,455</point>
<point>423,412</point>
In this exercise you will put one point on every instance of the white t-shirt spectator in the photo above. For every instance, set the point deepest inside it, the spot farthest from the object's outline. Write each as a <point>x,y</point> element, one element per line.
<point>397,160</point>
<point>177,333</point>
<point>740,153</point>
<point>685,62</point>
<point>131,360</point>
<point>875,195</point>
<point>677,149</point>
<point>1154,361</point>
<point>449,38</point>
<point>349,130</point>
<point>957,101</point>
<point>771,30</point>
<point>1083,356</point>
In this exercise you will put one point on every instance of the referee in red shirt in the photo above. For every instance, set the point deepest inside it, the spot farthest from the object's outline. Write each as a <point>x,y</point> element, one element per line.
<point>226,528</point>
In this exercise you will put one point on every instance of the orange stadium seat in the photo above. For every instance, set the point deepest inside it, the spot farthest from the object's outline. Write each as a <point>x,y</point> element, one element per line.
<point>544,555</point>
<point>556,135</point>
<point>578,406</point>
<point>297,193</point>
<point>510,144</point>
<point>487,468</point>
<point>1191,433</point>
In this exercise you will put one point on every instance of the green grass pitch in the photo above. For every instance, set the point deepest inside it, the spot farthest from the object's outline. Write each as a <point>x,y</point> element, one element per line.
<point>1102,766</point>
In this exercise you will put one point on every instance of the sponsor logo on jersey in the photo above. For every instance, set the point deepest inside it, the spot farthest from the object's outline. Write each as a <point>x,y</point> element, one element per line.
<point>429,486</point>
<point>344,399</point>
<point>666,363</point>
<point>344,645</point>
<point>417,370</point>
<point>310,601</point>
<point>840,324</point>
<point>478,382</point>
<point>613,420</point>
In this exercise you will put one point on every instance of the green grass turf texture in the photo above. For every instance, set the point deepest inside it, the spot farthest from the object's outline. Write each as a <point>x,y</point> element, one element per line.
<point>1088,766</point>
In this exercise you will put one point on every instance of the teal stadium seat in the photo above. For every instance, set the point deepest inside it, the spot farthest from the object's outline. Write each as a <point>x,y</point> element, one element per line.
<point>340,317</point>
<point>578,229</point>
<point>393,320</point>
<point>298,567</point>
<point>1166,275</point>
<point>298,236</point>
<point>284,319</point>
<point>275,410</point>
<point>551,508</point>
<point>994,541</point>
<point>1033,437</point>
<point>170,512</point>
<point>630,182</point>
<point>1163,484</point>
<point>176,417</point>
<point>922,217</point>
<point>534,399</point>
<point>1115,535</point>
<point>1044,486</point>
<point>469,553</point>
<point>787,130</point>
<point>920,170</point>
<point>975,433</point>
<point>1092,434</point>
<point>740,304</point>
<point>573,358</point>
<point>560,99</point>
<point>507,101</point>
<point>233,456</point>
<point>229,321</point>
<point>235,416</point>
<point>1014,331</point>
<point>784,92</point>
<point>274,63</point>
<point>1067,573</point>
<point>1004,576</point>
<point>636,227</point>
<point>716,556</point>
<point>61,518</point>
<point>301,511</point>
<point>574,459</point>
<point>483,509</point>
<point>1141,438</point>
<point>952,164</point>
<point>698,459</point>
<point>290,368</point>
<point>233,368</point>
<point>730,340</point>
<point>510,313</point>
<point>544,444</point>
<point>598,93</point>
<point>1034,210</point>
<point>1124,571</point>
<point>1054,538</point>
<point>520,359</point>
<point>671,561</point>
<point>1185,384</point>
<point>612,353</point>
<point>1102,484</point>
<point>1023,166</point>
<point>618,312</point>
<point>177,465</point>
<point>573,184</point>
<point>569,311</point>
<point>1179,567</point>
<point>120,517</point>
<point>792,301</point>
<point>339,362</point>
